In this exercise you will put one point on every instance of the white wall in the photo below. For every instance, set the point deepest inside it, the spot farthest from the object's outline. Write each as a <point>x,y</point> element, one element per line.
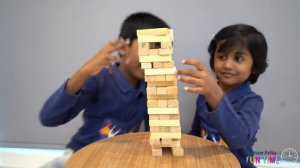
<point>43,42</point>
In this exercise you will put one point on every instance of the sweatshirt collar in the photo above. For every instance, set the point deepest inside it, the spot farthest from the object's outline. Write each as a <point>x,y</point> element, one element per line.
<point>239,92</point>
<point>124,84</point>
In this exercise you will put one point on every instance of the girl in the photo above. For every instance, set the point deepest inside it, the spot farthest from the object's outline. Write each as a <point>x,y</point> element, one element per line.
<point>228,111</point>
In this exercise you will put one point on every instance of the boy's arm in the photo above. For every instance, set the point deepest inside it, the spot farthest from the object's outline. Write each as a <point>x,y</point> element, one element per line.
<point>62,106</point>
<point>70,99</point>
<point>103,58</point>
<point>237,127</point>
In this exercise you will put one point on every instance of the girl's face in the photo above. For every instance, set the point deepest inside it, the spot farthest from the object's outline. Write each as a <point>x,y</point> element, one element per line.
<point>232,68</point>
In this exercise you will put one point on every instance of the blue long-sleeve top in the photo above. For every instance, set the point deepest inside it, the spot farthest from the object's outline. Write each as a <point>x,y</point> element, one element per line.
<point>110,104</point>
<point>235,120</point>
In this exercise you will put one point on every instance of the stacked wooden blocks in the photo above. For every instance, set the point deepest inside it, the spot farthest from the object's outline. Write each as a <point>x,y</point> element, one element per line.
<point>155,55</point>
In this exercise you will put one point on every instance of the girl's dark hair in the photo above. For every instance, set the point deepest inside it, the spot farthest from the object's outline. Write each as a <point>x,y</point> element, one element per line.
<point>140,20</point>
<point>242,36</point>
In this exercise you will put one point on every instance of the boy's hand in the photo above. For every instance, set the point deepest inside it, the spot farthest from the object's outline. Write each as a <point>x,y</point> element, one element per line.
<point>203,82</point>
<point>105,57</point>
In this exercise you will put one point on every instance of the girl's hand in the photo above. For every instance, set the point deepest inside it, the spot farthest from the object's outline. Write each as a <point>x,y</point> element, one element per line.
<point>204,83</point>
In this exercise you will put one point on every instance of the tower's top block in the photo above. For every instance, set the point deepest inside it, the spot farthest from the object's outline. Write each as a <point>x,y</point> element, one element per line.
<point>155,35</point>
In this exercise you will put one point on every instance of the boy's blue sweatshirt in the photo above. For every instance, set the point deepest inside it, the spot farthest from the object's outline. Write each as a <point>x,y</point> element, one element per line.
<point>110,104</point>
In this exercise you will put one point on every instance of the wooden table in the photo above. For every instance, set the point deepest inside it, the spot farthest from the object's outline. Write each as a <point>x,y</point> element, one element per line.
<point>134,151</point>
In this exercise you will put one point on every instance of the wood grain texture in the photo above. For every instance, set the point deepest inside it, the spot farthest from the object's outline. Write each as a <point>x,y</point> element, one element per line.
<point>134,151</point>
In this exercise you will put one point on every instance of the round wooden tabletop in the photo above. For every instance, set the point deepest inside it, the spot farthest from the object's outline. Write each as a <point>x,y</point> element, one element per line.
<point>134,151</point>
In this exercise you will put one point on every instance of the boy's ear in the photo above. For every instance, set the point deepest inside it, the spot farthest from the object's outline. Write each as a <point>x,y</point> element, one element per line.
<point>123,51</point>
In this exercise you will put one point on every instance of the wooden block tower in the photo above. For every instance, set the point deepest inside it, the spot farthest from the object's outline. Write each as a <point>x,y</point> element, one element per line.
<point>155,55</point>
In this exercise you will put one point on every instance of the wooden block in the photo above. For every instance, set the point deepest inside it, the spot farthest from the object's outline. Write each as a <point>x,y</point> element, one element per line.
<point>166,142</point>
<point>155,129</point>
<point>156,151</point>
<point>155,135</point>
<point>175,117</point>
<point>152,103</point>
<point>151,90</point>
<point>160,78</point>
<point>161,83</point>
<point>154,117</point>
<point>171,34</point>
<point>169,64</point>
<point>173,103</point>
<point>164,117</point>
<point>155,31</point>
<point>160,71</point>
<point>172,90</point>
<point>177,151</point>
<point>171,77</point>
<point>162,96</point>
<point>176,142</point>
<point>150,38</point>
<point>153,52</point>
<point>143,52</point>
<point>162,103</point>
<point>155,58</point>
<point>143,46</point>
<point>161,90</point>
<point>155,142</point>
<point>150,78</point>
<point>170,123</point>
<point>158,65</point>
<point>165,51</point>
<point>166,45</point>
<point>163,110</point>
<point>146,65</point>
<point>175,129</point>
<point>165,129</point>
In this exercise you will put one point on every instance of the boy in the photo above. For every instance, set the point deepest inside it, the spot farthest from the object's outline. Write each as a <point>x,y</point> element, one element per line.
<point>113,96</point>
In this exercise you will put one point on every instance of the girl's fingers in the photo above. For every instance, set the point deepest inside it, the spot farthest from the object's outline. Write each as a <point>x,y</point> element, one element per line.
<point>193,73</point>
<point>197,90</point>
<point>191,80</point>
<point>199,66</point>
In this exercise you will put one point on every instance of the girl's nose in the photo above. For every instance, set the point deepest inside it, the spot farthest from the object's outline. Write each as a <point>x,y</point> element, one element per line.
<point>228,64</point>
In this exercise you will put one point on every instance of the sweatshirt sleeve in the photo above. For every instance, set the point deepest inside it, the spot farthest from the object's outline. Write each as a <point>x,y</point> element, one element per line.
<point>195,130</point>
<point>62,107</point>
<point>196,125</point>
<point>237,127</point>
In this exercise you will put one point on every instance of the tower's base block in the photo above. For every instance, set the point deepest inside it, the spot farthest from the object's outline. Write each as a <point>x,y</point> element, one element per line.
<point>156,151</point>
<point>176,151</point>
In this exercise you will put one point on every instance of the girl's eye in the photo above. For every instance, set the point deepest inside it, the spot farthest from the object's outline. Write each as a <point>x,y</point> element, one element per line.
<point>221,57</point>
<point>239,58</point>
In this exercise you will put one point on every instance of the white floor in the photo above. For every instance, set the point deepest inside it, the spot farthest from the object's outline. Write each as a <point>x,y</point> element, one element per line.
<point>34,158</point>
<point>26,157</point>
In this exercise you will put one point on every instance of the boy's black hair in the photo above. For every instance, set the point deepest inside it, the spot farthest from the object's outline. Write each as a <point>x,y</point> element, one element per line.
<point>242,36</point>
<point>140,20</point>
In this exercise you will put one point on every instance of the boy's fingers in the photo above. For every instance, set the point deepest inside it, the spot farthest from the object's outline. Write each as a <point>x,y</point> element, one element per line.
<point>113,58</point>
<point>115,45</point>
